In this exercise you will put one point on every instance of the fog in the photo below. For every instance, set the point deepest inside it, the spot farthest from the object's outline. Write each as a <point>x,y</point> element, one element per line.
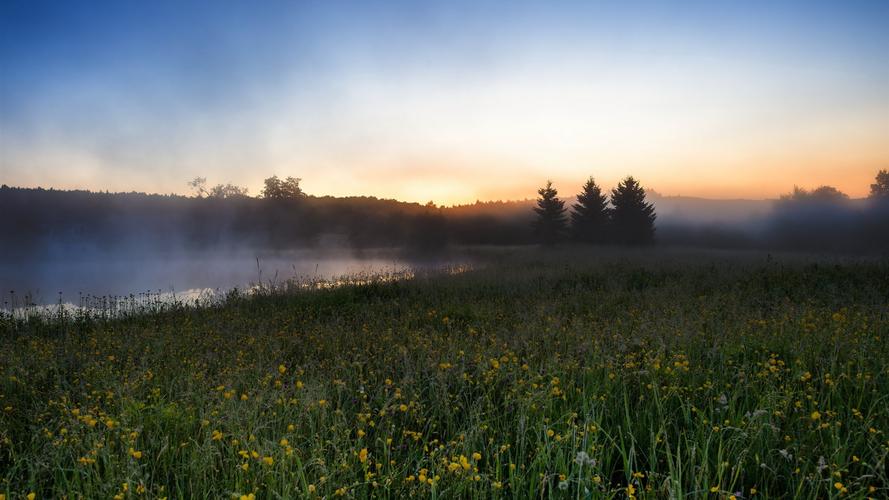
<point>78,277</point>
<point>65,245</point>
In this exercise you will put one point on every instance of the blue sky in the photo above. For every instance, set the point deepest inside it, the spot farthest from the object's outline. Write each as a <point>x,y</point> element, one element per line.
<point>450,101</point>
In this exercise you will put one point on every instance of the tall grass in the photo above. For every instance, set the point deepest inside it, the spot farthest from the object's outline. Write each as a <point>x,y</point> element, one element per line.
<point>554,376</point>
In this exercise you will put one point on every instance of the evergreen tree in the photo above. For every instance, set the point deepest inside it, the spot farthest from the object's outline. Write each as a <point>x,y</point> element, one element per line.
<point>589,218</point>
<point>551,220</point>
<point>632,217</point>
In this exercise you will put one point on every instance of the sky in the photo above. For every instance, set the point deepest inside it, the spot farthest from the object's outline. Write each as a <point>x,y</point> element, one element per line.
<point>446,101</point>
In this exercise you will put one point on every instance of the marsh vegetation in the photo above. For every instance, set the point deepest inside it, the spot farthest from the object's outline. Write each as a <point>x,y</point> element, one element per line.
<point>561,374</point>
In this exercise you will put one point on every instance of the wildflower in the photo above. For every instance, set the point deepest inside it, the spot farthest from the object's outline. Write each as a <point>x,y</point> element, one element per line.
<point>32,496</point>
<point>282,369</point>
<point>268,460</point>
<point>816,415</point>
<point>311,488</point>
<point>217,436</point>
<point>245,466</point>
<point>403,407</point>
<point>476,456</point>
<point>714,489</point>
<point>362,455</point>
<point>284,442</point>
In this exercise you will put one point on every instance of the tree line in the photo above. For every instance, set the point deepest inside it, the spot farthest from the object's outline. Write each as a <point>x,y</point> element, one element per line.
<point>39,222</point>
<point>628,220</point>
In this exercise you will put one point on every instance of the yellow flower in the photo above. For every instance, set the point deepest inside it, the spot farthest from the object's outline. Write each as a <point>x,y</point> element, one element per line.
<point>403,407</point>
<point>311,488</point>
<point>816,415</point>
<point>284,442</point>
<point>245,466</point>
<point>714,489</point>
<point>32,496</point>
<point>268,460</point>
<point>476,456</point>
<point>282,369</point>
<point>362,455</point>
<point>360,433</point>
<point>217,436</point>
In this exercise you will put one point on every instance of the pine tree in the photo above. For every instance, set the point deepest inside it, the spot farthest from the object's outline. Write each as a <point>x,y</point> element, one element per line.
<point>632,217</point>
<point>589,218</point>
<point>551,220</point>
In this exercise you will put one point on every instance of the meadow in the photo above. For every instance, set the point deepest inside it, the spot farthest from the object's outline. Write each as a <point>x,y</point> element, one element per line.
<point>561,374</point>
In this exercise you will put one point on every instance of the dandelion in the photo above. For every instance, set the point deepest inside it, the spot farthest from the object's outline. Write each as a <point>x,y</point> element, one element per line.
<point>268,460</point>
<point>282,369</point>
<point>216,436</point>
<point>362,455</point>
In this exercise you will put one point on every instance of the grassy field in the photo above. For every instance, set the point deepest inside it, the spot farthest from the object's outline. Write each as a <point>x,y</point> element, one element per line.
<point>555,375</point>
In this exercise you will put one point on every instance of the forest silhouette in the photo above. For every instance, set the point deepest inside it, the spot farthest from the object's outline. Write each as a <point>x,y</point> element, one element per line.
<point>40,221</point>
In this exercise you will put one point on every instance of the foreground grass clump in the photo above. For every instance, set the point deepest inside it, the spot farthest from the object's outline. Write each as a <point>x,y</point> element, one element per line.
<point>631,377</point>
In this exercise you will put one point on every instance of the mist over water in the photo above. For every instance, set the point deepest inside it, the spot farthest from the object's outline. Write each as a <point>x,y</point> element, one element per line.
<point>67,278</point>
